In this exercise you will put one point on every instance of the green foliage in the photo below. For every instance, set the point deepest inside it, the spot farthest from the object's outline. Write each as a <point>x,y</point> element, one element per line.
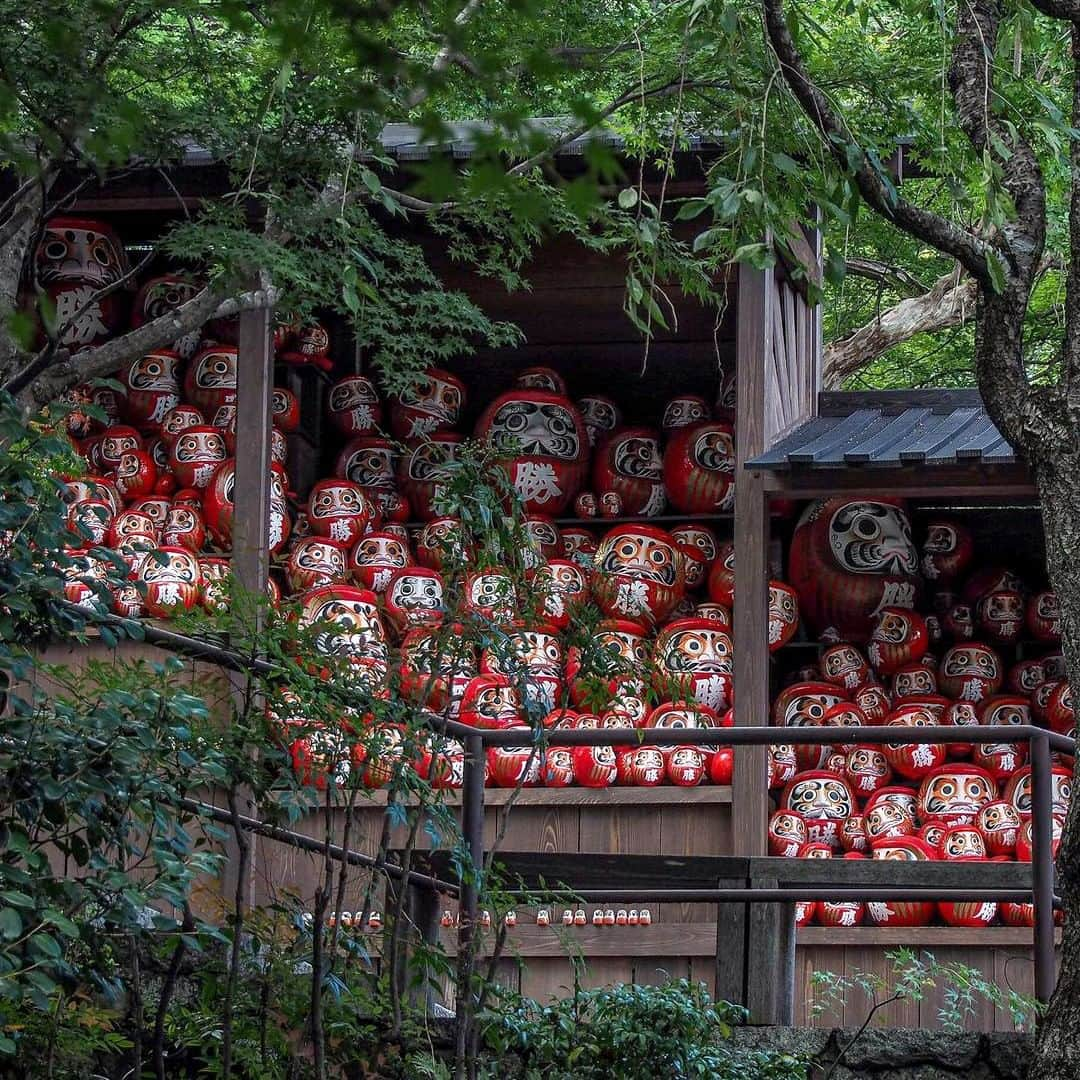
<point>632,1032</point>
<point>913,975</point>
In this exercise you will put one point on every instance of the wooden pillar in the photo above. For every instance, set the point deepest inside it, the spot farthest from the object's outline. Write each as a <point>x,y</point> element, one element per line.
<point>753,341</point>
<point>254,385</point>
<point>768,939</point>
<point>251,493</point>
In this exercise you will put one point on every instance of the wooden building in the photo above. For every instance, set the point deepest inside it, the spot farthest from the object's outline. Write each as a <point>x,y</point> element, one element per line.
<point>793,443</point>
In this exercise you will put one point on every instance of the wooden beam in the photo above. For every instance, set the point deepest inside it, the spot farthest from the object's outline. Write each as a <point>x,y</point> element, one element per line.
<point>988,483</point>
<point>754,329</point>
<point>254,383</point>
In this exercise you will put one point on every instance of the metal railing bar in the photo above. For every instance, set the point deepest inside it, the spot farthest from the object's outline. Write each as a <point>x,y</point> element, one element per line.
<point>318,847</point>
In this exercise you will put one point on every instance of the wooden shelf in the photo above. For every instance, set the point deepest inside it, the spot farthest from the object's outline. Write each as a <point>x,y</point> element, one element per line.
<point>659,939</point>
<point>628,519</point>
<point>699,939</point>
<point>579,796</point>
<point>917,936</point>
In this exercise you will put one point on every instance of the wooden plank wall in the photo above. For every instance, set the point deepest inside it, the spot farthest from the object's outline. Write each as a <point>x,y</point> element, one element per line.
<point>1009,965</point>
<point>792,361</point>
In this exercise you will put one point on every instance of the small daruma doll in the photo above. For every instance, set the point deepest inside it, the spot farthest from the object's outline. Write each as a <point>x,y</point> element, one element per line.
<point>184,527</point>
<point>628,463</point>
<point>955,793</point>
<point>414,598</point>
<point>1043,616</point>
<point>639,574</point>
<point>900,637</point>
<point>783,614</point>
<point>786,833</point>
<point>824,800</point>
<point>615,665</point>
<point>970,672</point>
<point>699,468</point>
<point>844,666</point>
<point>436,667</point>
<point>562,588</point>
<point>546,450</point>
<point>441,543</point>
<point>867,769</point>
<point>432,403</point>
<point>946,551</point>
<point>195,453</point>
<point>1000,615</point>
<point>376,558</point>
<point>1002,759</point>
<point>151,388</point>
<point>601,417</point>
<point>1000,825</point>
<point>339,510</point>
<point>424,471</point>
<point>913,760</point>
<point>316,561</point>
<point>848,559</point>
<point>353,406</point>
<point>693,659</point>
<point>210,382</point>
<point>491,701</point>
<point>170,576</point>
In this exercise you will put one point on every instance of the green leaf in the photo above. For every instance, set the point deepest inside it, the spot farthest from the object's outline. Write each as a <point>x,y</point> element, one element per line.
<point>785,164</point>
<point>11,924</point>
<point>995,269</point>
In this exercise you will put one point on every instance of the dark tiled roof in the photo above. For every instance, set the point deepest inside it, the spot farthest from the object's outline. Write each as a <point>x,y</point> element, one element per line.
<point>406,142</point>
<point>891,429</point>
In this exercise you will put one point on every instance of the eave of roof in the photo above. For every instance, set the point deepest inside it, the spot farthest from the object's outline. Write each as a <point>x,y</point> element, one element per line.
<point>891,429</point>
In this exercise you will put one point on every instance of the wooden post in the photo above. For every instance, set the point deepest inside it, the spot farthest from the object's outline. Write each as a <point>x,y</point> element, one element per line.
<point>254,385</point>
<point>251,514</point>
<point>766,938</point>
<point>753,342</point>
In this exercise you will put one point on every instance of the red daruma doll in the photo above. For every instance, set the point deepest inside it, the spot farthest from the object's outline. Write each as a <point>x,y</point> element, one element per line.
<point>76,259</point>
<point>639,574</point>
<point>699,468</point>
<point>151,388</point>
<point>848,559</point>
<point>824,800</point>
<point>693,658</point>
<point>545,444</point>
<point>628,464</point>
<point>170,576</point>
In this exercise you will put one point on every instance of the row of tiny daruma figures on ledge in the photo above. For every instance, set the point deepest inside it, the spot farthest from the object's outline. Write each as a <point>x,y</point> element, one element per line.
<point>914,637</point>
<point>450,919</point>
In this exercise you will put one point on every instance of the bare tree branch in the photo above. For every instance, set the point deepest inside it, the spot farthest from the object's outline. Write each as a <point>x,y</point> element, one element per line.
<point>895,277</point>
<point>967,249</point>
<point>444,57</point>
<point>34,388</point>
<point>947,304</point>
<point>1067,10</point>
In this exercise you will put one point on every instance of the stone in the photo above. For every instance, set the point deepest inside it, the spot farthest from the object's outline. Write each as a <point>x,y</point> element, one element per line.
<point>880,1048</point>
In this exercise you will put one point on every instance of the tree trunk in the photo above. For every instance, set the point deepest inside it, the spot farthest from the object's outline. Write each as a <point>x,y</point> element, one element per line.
<point>1057,1054</point>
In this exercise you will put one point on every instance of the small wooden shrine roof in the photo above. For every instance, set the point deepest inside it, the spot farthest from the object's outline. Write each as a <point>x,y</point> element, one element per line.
<point>891,429</point>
